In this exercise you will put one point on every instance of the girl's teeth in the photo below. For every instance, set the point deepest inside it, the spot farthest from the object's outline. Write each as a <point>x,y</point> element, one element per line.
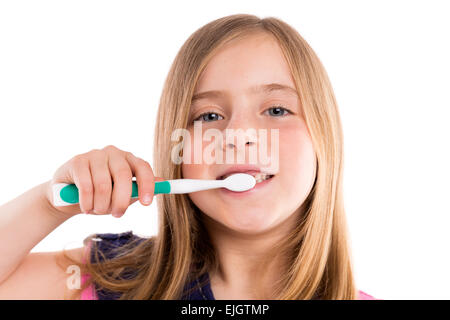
<point>260,177</point>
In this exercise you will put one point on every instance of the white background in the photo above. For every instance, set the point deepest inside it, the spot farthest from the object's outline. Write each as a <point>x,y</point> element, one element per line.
<point>80,75</point>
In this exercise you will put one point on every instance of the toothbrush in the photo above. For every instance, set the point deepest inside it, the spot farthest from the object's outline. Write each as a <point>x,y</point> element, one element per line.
<point>67,194</point>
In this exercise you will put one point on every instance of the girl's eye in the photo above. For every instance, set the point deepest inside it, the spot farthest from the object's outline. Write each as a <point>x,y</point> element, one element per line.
<point>278,111</point>
<point>209,117</point>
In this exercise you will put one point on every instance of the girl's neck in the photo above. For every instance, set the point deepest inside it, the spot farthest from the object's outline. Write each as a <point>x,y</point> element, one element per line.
<point>240,274</point>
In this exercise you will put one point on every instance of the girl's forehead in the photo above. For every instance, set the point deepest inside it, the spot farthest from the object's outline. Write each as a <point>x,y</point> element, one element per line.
<point>238,68</point>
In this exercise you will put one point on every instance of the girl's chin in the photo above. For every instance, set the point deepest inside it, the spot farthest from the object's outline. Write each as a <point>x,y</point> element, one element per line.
<point>248,222</point>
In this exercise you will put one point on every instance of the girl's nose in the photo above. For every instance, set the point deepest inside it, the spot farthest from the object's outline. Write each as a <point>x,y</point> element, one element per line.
<point>242,128</point>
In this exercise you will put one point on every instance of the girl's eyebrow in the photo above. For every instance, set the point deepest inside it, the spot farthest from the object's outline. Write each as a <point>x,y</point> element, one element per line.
<point>264,88</point>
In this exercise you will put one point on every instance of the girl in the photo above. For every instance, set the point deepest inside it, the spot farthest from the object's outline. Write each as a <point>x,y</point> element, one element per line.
<point>284,239</point>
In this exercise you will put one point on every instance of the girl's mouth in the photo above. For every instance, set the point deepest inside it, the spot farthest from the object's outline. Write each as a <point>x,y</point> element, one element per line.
<point>263,180</point>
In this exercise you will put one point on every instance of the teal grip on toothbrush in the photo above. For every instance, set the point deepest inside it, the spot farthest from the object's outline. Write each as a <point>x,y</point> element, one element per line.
<point>70,194</point>
<point>161,187</point>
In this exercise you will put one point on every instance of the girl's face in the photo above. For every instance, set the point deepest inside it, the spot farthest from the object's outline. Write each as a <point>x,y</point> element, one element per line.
<point>233,72</point>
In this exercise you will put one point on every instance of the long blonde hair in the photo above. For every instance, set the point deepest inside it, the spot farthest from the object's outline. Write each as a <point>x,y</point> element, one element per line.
<point>318,248</point>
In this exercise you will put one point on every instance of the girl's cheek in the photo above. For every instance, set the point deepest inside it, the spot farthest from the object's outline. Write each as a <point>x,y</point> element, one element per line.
<point>297,155</point>
<point>291,137</point>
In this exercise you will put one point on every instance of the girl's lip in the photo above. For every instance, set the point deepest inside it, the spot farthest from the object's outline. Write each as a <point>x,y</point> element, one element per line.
<point>255,189</point>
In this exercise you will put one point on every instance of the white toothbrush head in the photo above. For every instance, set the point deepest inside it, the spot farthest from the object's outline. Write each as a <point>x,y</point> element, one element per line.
<point>240,182</point>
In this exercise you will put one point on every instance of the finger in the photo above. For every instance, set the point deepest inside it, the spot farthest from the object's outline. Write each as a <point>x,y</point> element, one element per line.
<point>81,175</point>
<point>144,178</point>
<point>122,179</point>
<point>135,199</point>
<point>101,178</point>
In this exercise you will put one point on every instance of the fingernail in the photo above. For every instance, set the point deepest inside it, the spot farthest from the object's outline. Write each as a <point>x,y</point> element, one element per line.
<point>146,199</point>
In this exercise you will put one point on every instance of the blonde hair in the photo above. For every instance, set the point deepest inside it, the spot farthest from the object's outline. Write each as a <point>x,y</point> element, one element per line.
<point>318,251</point>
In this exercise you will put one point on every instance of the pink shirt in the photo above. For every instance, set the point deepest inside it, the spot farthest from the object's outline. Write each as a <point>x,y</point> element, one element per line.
<point>89,292</point>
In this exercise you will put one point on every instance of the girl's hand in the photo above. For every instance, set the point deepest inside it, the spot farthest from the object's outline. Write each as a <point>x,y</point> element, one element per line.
<point>94,172</point>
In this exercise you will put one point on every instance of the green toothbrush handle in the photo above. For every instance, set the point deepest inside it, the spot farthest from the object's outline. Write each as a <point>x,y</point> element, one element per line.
<point>67,194</point>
